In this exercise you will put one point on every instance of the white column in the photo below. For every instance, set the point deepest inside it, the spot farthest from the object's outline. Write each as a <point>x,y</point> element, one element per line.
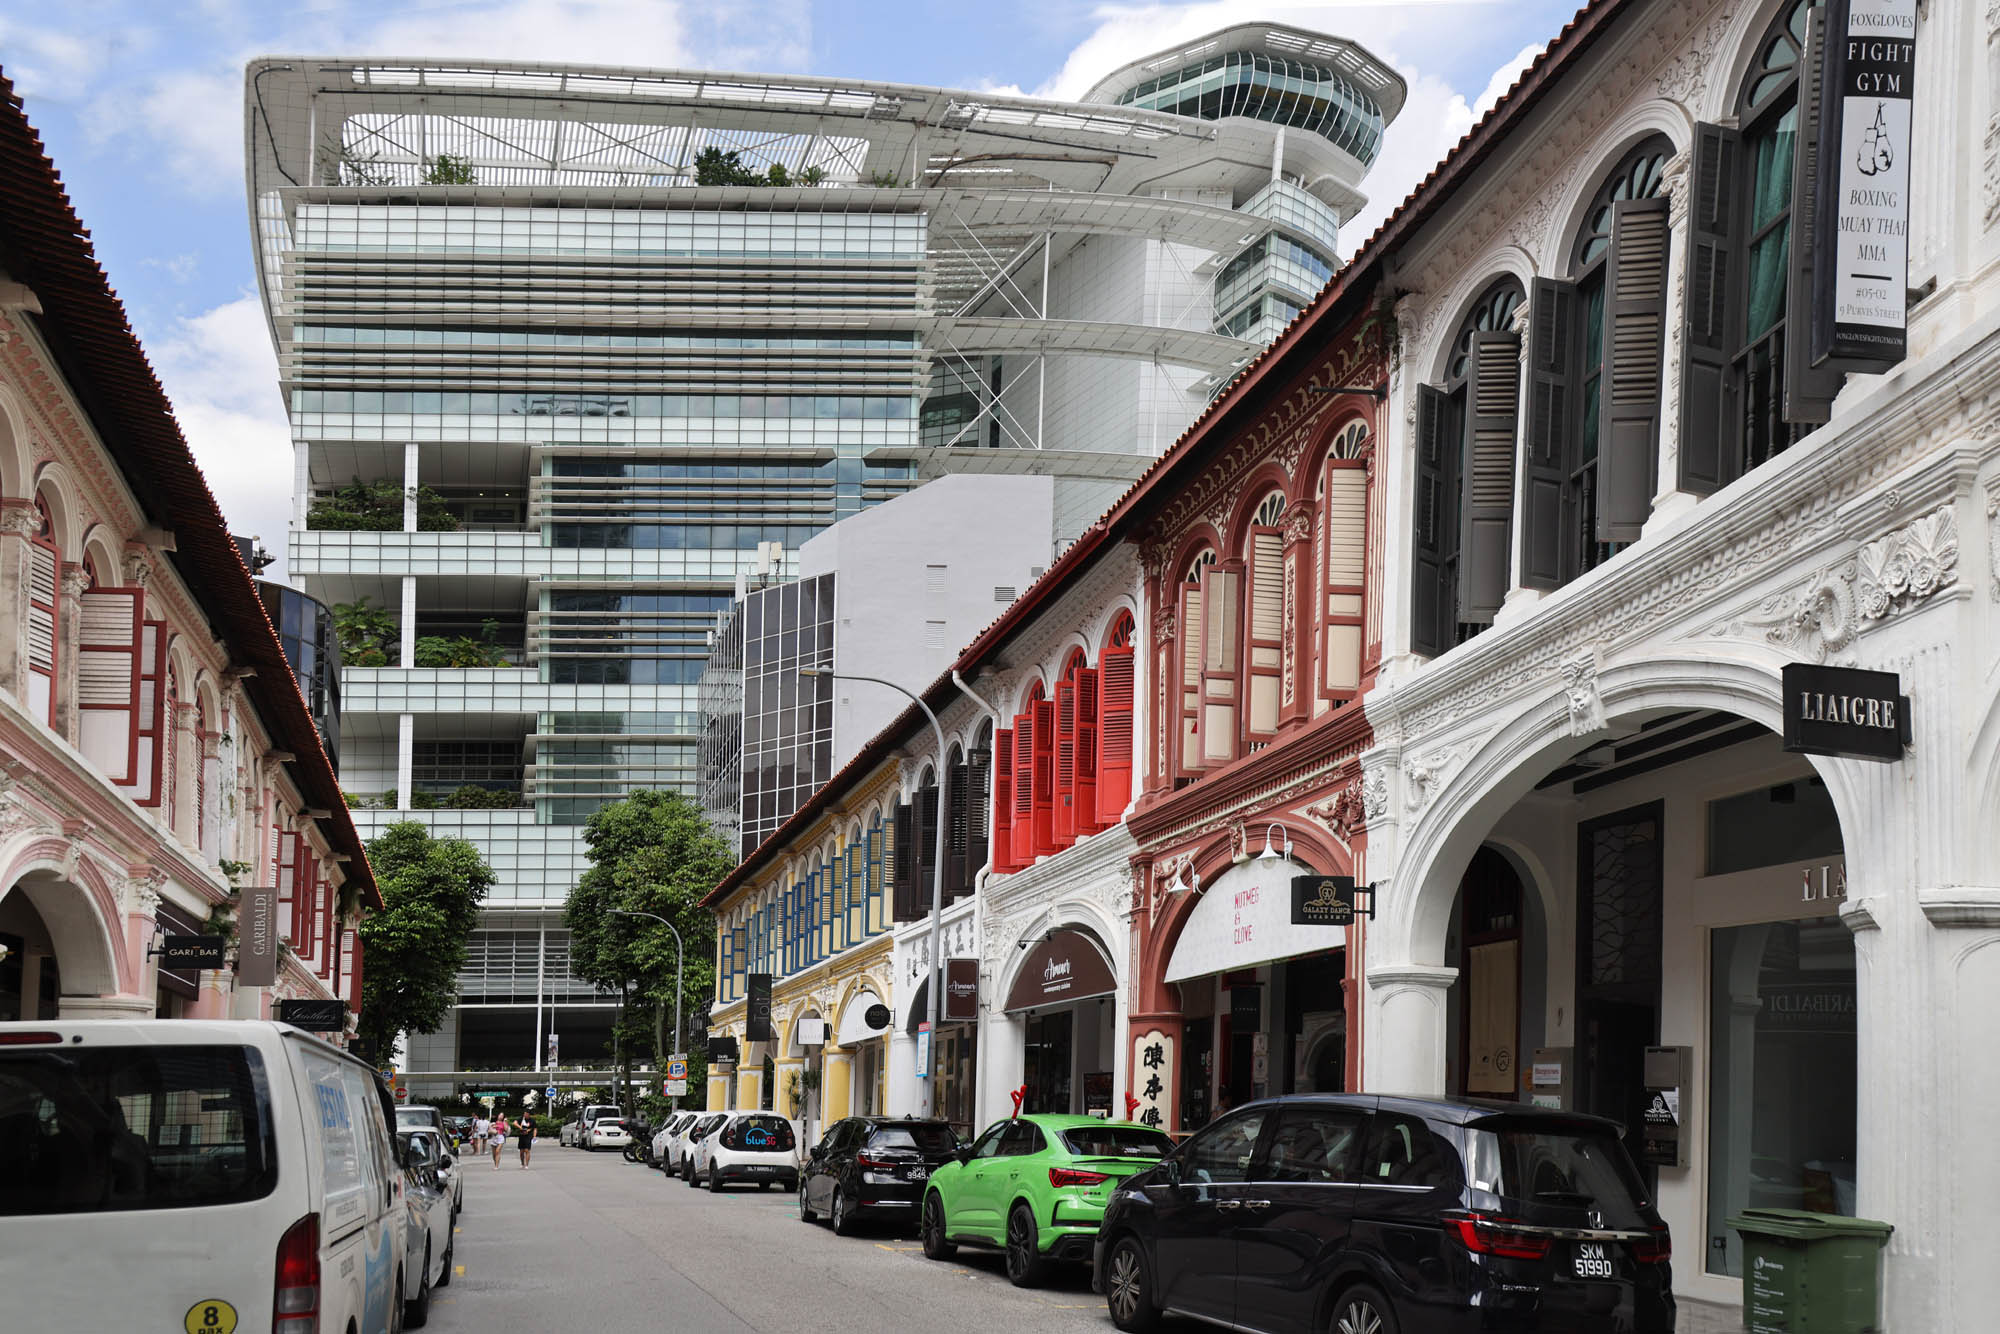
<point>301,483</point>
<point>1669,501</point>
<point>406,749</point>
<point>904,1093</point>
<point>1002,1043</point>
<point>406,648</point>
<point>410,487</point>
<point>1404,1040</point>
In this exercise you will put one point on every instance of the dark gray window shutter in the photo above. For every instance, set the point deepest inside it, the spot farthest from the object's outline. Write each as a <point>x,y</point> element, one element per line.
<point>1546,451</point>
<point>1635,326</point>
<point>1809,389</point>
<point>1486,493</point>
<point>1433,627</point>
<point>903,901</point>
<point>1714,295</point>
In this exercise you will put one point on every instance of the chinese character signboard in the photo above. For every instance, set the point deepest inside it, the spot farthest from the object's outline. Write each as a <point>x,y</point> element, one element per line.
<point>1152,1078</point>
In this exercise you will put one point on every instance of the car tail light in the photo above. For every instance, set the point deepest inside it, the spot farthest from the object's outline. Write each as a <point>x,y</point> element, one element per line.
<point>1656,1249</point>
<point>295,1308</point>
<point>1069,1176</point>
<point>30,1039</point>
<point>1483,1234</point>
<point>868,1162</point>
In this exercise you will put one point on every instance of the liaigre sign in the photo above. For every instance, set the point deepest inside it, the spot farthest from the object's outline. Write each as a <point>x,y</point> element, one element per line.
<point>1066,966</point>
<point>1862,215</point>
<point>1845,711</point>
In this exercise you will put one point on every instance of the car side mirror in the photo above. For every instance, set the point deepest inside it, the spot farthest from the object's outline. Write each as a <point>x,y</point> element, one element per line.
<point>1173,1166</point>
<point>963,1153</point>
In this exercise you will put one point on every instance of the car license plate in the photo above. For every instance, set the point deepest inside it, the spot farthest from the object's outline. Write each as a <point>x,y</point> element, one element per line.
<point>1592,1260</point>
<point>762,1167</point>
<point>919,1173</point>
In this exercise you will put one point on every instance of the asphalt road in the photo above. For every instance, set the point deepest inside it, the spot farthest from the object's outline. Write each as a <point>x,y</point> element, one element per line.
<point>590,1242</point>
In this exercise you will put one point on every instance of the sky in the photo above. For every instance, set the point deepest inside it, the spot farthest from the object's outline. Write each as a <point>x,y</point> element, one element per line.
<point>141,107</point>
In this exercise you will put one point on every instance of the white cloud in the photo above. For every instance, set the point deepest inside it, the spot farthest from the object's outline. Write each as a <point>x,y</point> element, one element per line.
<point>45,63</point>
<point>222,375</point>
<point>590,32</point>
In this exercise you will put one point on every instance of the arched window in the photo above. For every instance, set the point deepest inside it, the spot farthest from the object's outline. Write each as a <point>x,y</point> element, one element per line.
<point>1075,751</point>
<point>44,613</point>
<point>1465,476</point>
<point>1343,504</point>
<point>1210,598</point>
<point>1116,691</point>
<point>1264,619</point>
<point>1743,402</point>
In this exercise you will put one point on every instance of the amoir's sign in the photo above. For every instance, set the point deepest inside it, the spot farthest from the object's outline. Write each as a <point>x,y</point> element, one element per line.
<point>1860,281</point>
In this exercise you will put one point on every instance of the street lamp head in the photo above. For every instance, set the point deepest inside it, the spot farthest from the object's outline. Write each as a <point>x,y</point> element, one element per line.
<point>815,671</point>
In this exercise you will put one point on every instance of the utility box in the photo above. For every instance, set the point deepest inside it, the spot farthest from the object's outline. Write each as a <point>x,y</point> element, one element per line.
<point>1666,1071</point>
<point>1806,1273</point>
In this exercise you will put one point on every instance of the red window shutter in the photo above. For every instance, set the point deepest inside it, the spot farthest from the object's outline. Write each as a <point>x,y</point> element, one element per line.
<point>329,901</point>
<point>1003,799</point>
<point>1114,736</point>
<point>44,583</point>
<point>1220,705</point>
<point>1086,751</point>
<point>152,713</point>
<point>285,874</point>
<point>1045,774</point>
<point>1343,588</point>
<point>1188,752</point>
<point>1065,753</point>
<point>110,637</point>
<point>1024,788</point>
<point>1264,656</point>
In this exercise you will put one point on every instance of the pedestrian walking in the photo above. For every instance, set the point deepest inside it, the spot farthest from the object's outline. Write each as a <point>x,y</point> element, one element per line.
<point>482,1129</point>
<point>499,1138</point>
<point>525,1132</point>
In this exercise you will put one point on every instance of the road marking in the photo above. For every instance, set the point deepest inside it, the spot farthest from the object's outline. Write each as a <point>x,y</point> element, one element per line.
<point>904,1249</point>
<point>458,1270</point>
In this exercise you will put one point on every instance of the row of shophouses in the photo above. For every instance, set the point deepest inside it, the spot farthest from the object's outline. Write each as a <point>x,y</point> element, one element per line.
<point>163,749</point>
<point>1479,587</point>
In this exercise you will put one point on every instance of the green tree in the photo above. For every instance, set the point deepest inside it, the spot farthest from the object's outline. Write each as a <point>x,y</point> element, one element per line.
<point>449,170</point>
<point>652,852</point>
<point>713,166</point>
<point>415,946</point>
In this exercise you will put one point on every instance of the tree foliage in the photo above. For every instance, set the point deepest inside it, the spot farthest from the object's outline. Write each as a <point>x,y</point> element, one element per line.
<point>415,946</point>
<point>449,170</point>
<point>652,852</point>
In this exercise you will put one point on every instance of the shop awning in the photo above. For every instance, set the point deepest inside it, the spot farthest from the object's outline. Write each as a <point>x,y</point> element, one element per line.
<point>1068,965</point>
<point>854,1019</point>
<point>1244,919</point>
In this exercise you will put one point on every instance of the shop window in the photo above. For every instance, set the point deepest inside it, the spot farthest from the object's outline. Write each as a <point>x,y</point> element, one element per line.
<point>1465,476</point>
<point>1773,826</point>
<point>1782,1075</point>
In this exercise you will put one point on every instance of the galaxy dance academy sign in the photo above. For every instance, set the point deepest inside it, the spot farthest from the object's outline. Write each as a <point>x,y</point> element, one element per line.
<point>1860,281</point>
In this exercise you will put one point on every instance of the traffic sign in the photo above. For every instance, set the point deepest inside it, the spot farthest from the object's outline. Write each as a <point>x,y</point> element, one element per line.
<point>549,1092</point>
<point>673,1088</point>
<point>677,1067</point>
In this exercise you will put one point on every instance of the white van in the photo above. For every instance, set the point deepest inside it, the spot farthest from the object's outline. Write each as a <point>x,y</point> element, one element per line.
<point>172,1173</point>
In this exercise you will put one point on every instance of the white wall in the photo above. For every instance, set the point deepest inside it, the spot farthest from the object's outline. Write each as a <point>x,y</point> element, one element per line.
<point>915,579</point>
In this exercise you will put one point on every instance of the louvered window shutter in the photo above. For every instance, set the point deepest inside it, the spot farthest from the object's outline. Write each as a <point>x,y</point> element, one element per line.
<point>1486,493</point>
<point>1545,455</point>
<point>1709,423</point>
<point>1341,627</point>
<point>1433,609</point>
<point>1003,799</point>
<point>1265,650</point>
<point>906,861</point>
<point>285,875</point>
<point>329,896</point>
<point>1065,787</point>
<point>111,635</point>
<point>1809,389</point>
<point>1635,327</point>
<point>1024,788</point>
<point>1190,655</point>
<point>1086,751</point>
<point>927,849</point>
<point>152,697</point>
<point>1221,597</point>
<point>978,806</point>
<point>1044,777</point>
<point>958,835</point>
<point>1114,747</point>
<point>44,570</point>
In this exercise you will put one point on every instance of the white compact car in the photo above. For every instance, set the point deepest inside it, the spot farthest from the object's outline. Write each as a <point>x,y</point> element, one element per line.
<point>665,1142</point>
<point>606,1132</point>
<point>758,1147</point>
<point>231,1174</point>
<point>574,1128</point>
<point>690,1140</point>
<point>427,1248</point>
<point>451,1177</point>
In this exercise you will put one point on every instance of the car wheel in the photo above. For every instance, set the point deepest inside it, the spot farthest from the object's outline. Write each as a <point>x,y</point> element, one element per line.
<point>806,1214</point>
<point>1025,1266</point>
<point>444,1278</point>
<point>1128,1287</point>
<point>714,1181</point>
<point>688,1176</point>
<point>396,1307</point>
<point>417,1313</point>
<point>1362,1310</point>
<point>843,1218</point>
<point>936,1245</point>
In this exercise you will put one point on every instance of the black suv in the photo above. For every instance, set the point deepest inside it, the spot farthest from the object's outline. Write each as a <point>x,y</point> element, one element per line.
<point>1385,1214</point>
<point>873,1166</point>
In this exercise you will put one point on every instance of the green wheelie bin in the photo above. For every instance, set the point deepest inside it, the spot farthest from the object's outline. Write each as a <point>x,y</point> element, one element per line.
<point>1806,1273</point>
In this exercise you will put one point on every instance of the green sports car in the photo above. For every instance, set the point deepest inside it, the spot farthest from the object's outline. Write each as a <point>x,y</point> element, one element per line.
<point>1035,1186</point>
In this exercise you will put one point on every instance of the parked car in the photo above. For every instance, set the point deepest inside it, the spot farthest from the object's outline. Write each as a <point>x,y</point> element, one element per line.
<point>1035,1186</point>
<point>748,1146</point>
<point>873,1166</point>
<point>1454,1215</point>
<point>427,1243</point>
<point>571,1135</point>
<point>459,1128</point>
<point>606,1132</point>
<point>417,1116</point>
<point>222,1170</point>
<point>451,1176</point>
<point>667,1139</point>
<point>691,1139</point>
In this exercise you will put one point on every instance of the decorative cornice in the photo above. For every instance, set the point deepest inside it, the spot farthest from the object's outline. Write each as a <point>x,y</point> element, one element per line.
<point>1295,761</point>
<point>1961,905</point>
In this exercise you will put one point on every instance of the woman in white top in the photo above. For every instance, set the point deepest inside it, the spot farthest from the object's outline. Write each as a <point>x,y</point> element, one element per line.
<point>481,1129</point>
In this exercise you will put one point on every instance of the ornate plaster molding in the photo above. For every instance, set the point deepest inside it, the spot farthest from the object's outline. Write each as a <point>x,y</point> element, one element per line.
<point>1961,905</point>
<point>1375,795</point>
<point>1427,775</point>
<point>1993,537</point>
<point>1344,814</point>
<point>1580,693</point>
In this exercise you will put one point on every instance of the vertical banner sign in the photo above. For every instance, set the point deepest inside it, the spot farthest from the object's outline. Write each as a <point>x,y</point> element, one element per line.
<point>961,991</point>
<point>757,1009</point>
<point>554,1046</point>
<point>1861,258</point>
<point>257,932</point>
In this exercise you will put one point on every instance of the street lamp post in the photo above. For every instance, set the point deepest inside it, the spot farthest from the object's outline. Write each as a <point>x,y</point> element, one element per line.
<point>680,964</point>
<point>936,982</point>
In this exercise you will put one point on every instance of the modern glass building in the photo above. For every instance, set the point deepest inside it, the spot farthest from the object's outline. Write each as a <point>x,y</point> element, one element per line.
<point>565,347</point>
